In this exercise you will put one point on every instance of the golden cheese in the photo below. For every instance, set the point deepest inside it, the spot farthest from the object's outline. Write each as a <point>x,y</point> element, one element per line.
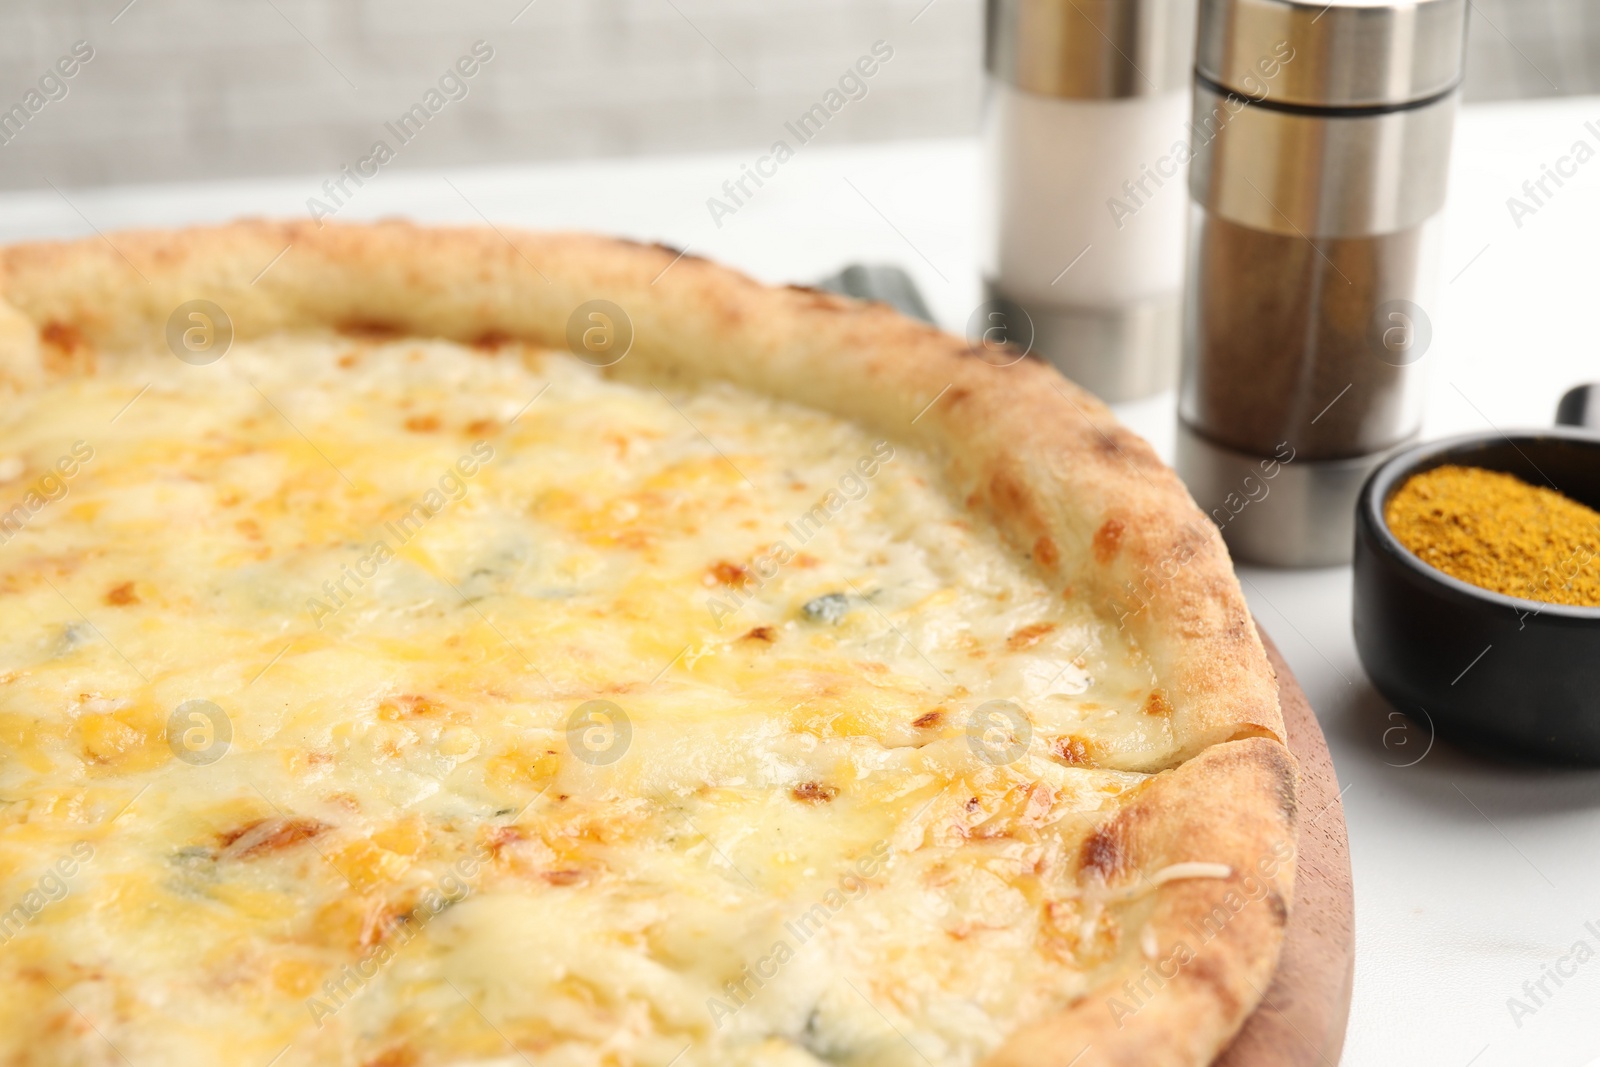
<point>389,702</point>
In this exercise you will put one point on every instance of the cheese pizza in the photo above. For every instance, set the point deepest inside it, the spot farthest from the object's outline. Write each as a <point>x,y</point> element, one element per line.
<point>464,647</point>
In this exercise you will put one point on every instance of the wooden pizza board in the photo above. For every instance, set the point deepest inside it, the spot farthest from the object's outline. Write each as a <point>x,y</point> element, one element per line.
<point>1301,1019</point>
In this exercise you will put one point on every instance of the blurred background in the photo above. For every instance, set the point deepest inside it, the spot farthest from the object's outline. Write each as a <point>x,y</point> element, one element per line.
<point>178,90</point>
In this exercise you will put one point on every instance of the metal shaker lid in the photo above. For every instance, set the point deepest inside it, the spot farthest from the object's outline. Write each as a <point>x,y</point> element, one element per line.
<point>1090,49</point>
<point>1343,53</point>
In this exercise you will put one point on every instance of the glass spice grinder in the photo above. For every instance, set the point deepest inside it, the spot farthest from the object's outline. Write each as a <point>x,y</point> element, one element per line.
<point>1322,144</point>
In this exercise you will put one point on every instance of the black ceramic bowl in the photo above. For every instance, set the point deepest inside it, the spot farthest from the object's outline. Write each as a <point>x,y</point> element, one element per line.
<point>1515,677</point>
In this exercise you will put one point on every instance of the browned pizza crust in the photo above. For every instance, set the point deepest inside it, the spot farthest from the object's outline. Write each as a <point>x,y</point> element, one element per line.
<point>1233,804</point>
<point>1085,499</point>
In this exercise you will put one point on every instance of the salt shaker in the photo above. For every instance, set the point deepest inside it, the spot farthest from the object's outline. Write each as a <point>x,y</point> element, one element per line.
<point>1322,143</point>
<point>1085,147</point>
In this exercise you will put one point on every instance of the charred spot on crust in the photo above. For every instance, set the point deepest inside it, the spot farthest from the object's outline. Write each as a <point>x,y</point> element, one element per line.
<point>1045,551</point>
<point>761,633</point>
<point>1006,493</point>
<point>1107,540</point>
<point>814,792</point>
<point>63,335</point>
<point>929,720</point>
<point>1103,853</point>
<point>491,340</point>
<point>824,300</point>
<point>1118,442</point>
<point>662,246</point>
<point>370,330</point>
<point>1111,849</point>
<point>1275,904</point>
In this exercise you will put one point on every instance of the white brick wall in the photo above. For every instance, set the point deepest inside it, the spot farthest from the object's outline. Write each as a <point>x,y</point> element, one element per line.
<point>182,89</point>
<point>201,88</point>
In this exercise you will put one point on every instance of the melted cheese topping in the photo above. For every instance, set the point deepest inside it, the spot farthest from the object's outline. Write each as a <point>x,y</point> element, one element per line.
<point>389,703</point>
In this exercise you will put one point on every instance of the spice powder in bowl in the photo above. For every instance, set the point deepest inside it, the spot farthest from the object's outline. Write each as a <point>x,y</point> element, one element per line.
<point>1499,533</point>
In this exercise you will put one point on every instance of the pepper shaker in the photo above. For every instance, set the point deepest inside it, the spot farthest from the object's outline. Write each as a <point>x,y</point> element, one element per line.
<point>1083,142</point>
<point>1322,144</point>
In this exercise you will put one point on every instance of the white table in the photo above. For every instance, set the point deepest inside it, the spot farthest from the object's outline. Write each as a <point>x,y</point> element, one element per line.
<point>1470,876</point>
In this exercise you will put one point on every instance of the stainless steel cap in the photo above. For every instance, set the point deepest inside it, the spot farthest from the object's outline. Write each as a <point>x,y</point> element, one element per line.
<point>1348,53</point>
<point>1090,49</point>
<point>1118,353</point>
<point>1277,511</point>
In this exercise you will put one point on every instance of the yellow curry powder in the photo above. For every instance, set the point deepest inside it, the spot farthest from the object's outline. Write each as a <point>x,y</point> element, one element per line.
<point>1500,533</point>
